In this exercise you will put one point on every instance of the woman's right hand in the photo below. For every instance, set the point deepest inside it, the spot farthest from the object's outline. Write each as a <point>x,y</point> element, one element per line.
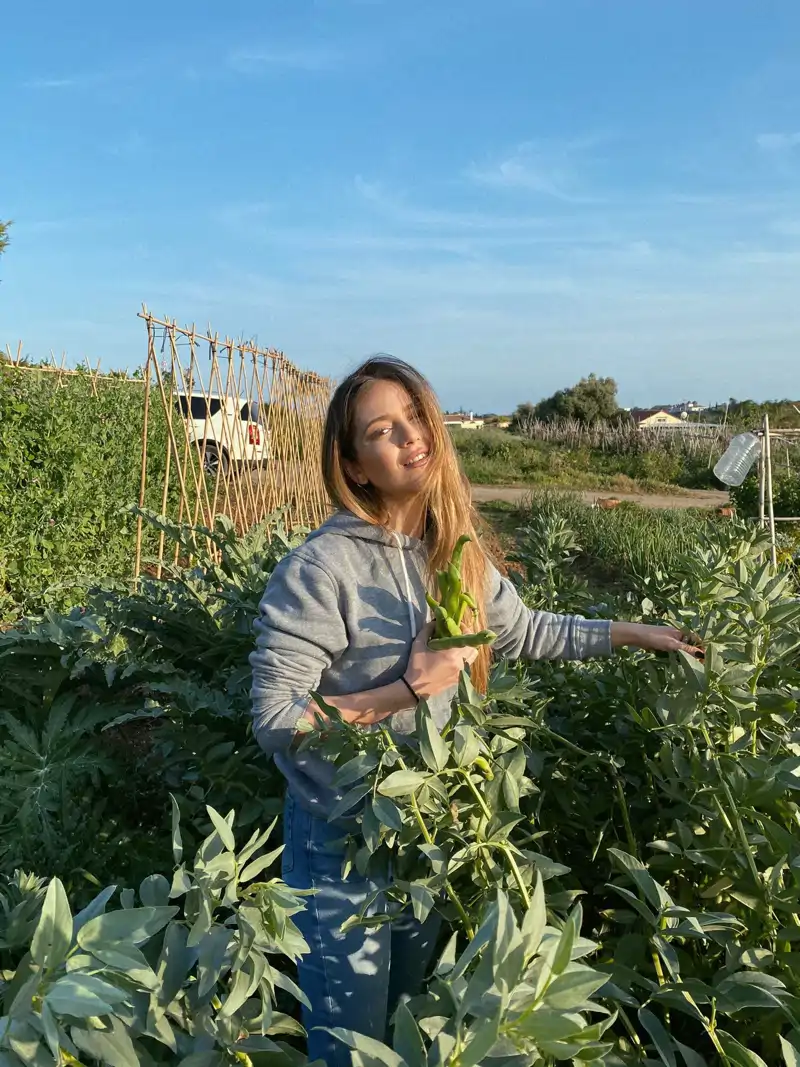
<point>429,673</point>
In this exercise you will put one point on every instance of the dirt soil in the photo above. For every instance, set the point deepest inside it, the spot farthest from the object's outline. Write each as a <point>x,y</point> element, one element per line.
<point>685,498</point>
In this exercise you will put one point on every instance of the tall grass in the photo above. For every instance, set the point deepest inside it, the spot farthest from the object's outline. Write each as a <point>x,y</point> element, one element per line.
<point>495,457</point>
<point>628,543</point>
<point>627,437</point>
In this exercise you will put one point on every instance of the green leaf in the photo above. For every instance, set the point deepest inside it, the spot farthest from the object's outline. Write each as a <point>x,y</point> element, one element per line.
<point>432,747</point>
<point>129,960</point>
<point>480,1039</point>
<point>422,901</point>
<point>387,813</point>
<point>535,919</point>
<point>447,960</point>
<point>738,1054</point>
<point>791,1055</point>
<point>95,907</point>
<point>244,984</point>
<point>222,828</point>
<point>465,745</point>
<point>112,1046</point>
<point>53,935</point>
<point>53,1033</point>
<point>573,988</point>
<point>659,1036</point>
<point>544,1024</point>
<point>175,962</point>
<point>655,895</point>
<point>209,1058</point>
<point>563,951</point>
<point>177,843</point>
<point>260,864</point>
<point>690,1057</point>
<point>368,1045</point>
<point>211,956</point>
<point>83,995</point>
<point>408,1042</point>
<point>135,925</point>
<point>693,671</point>
<point>356,769</point>
<point>786,613</point>
<point>402,783</point>
<point>349,800</point>
<point>154,891</point>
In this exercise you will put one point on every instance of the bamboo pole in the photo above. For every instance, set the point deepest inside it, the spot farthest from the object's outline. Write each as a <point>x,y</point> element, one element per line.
<point>770,507</point>
<point>762,478</point>
<point>137,566</point>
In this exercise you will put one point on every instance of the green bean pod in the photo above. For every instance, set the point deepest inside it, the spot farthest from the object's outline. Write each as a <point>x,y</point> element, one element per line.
<point>458,551</point>
<point>441,644</point>
<point>452,602</point>
<point>443,578</point>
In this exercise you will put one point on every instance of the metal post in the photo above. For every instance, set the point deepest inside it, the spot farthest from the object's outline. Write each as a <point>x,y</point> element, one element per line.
<point>770,509</point>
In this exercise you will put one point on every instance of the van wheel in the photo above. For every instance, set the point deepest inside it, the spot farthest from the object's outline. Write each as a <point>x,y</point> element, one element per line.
<point>215,460</point>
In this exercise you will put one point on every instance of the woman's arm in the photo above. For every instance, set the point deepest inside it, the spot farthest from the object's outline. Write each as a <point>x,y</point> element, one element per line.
<point>368,707</point>
<point>300,632</point>
<point>426,674</point>
<point>526,634</point>
<point>652,638</point>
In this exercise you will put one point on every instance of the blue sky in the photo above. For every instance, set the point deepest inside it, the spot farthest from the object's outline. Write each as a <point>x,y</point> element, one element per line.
<point>509,193</point>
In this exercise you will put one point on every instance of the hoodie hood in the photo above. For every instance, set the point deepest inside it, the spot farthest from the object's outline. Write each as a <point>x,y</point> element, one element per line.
<point>346,524</point>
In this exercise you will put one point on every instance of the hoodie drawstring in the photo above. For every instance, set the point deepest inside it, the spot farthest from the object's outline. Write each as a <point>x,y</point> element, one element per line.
<point>412,621</point>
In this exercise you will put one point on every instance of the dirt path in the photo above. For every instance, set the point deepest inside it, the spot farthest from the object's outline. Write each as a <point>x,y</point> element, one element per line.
<point>687,498</point>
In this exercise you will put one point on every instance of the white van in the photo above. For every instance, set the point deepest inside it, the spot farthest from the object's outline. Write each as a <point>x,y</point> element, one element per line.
<point>230,432</point>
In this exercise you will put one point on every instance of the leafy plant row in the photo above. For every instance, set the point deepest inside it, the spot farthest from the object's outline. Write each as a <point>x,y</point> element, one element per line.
<point>613,846</point>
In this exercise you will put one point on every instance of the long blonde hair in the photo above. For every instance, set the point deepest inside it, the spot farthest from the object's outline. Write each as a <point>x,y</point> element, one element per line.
<point>445,494</point>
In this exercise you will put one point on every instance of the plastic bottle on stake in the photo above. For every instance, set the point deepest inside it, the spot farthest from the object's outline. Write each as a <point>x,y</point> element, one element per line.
<point>734,465</point>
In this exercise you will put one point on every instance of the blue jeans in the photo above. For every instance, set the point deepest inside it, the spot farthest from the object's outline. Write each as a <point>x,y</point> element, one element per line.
<point>353,980</point>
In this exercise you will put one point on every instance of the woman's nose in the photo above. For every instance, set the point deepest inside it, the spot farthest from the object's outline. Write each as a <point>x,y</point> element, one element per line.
<point>409,433</point>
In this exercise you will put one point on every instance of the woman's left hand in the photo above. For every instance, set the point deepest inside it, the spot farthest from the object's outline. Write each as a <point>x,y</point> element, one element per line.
<point>653,638</point>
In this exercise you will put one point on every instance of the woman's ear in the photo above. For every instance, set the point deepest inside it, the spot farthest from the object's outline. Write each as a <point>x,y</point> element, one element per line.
<point>354,473</point>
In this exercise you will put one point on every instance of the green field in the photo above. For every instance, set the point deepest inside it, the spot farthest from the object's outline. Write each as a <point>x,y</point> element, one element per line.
<point>495,457</point>
<point>600,838</point>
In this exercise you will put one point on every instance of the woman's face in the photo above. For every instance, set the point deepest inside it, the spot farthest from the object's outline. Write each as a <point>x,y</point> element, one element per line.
<point>391,442</point>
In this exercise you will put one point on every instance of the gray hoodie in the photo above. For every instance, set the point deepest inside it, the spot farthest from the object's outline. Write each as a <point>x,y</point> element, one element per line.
<point>339,615</point>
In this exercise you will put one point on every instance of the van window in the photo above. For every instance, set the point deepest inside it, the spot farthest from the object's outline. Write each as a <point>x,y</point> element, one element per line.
<point>255,411</point>
<point>199,406</point>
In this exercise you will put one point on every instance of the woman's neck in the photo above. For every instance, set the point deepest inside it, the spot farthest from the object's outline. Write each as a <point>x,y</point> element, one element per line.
<point>406,517</point>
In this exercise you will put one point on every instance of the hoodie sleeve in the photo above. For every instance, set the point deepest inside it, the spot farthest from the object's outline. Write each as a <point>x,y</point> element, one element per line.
<point>526,634</point>
<point>299,633</point>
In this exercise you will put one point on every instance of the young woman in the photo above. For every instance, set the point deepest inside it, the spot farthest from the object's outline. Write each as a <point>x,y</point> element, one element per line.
<point>345,614</point>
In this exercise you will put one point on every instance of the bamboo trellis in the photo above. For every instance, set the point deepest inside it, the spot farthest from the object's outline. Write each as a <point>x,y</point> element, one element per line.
<point>243,431</point>
<point>62,372</point>
<point>766,509</point>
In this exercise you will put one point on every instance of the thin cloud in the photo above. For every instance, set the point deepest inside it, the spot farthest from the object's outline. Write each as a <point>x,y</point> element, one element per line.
<point>92,78</point>
<point>309,59</point>
<point>400,212</point>
<point>778,142</point>
<point>51,83</point>
<point>550,169</point>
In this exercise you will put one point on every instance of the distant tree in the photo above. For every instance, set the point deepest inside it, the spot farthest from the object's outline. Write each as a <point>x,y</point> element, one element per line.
<point>523,416</point>
<point>592,400</point>
<point>3,236</point>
